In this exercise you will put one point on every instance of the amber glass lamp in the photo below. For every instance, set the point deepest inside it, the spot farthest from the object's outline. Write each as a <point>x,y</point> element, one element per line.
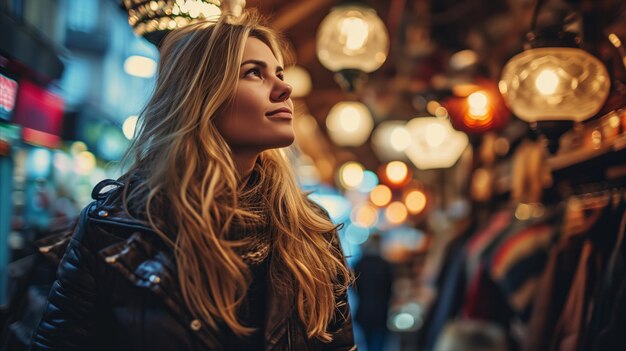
<point>554,79</point>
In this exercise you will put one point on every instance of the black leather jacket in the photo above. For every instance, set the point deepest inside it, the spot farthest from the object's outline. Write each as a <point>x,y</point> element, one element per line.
<point>116,289</point>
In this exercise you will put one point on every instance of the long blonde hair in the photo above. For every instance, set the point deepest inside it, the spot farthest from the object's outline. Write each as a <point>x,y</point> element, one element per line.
<point>186,185</point>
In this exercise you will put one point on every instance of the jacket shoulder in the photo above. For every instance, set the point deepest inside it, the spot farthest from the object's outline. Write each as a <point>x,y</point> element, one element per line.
<point>103,222</point>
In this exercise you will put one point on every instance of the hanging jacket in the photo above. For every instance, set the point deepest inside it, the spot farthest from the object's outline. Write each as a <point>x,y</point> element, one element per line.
<point>117,289</point>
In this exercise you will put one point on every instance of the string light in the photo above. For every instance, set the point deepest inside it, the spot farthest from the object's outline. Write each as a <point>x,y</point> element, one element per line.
<point>146,16</point>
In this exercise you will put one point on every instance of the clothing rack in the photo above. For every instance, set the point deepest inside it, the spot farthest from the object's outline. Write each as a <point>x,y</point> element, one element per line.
<point>593,153</point>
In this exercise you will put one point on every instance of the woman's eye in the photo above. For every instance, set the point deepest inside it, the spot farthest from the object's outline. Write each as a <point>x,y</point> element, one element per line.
<point>281,76</point>
<point>253,72</point>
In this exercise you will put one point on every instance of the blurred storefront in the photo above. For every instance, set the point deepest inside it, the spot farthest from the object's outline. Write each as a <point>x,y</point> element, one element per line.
<point>62,114</point>
<point>29,114</point>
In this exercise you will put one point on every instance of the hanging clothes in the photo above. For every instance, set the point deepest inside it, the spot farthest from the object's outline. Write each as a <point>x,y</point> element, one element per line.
<point>492,273</point>
<point>607,323</point>
<point>517,264</point>
<point>600,240</point>
<point>480,241</point>
<point>581,285</point>
<point>510,265</point>
<point>450,287</point>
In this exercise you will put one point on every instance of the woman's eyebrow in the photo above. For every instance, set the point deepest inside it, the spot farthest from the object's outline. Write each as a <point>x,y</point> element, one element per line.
<point>262,64</point>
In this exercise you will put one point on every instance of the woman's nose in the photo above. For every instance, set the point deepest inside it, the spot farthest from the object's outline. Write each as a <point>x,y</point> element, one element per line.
<point>281,92</point>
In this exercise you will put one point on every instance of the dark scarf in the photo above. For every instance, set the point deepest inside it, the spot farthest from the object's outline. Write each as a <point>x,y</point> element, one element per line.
<point>255,233</point>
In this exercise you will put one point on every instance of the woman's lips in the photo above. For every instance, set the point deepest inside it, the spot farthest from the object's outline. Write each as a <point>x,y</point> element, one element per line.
<point>281,113</point>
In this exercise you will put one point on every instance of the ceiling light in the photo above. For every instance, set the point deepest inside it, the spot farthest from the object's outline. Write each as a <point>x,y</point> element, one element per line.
<point>352,41</point>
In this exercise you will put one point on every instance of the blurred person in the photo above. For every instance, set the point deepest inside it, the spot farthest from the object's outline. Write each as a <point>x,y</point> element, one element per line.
<point>373,284</point>
<point>471,335</point>
<point>206,242</point>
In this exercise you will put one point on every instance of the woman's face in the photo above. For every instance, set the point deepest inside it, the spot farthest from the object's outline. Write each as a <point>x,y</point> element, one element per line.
<point>261,113</point>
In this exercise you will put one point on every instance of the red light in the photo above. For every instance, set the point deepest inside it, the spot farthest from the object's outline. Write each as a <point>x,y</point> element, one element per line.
<point>40,112</point>
<point>8,92</point>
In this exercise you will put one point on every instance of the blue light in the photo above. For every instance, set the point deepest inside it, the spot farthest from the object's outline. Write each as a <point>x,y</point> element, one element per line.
<point>356,235</point>
<point>370,180</point>
<point>112,144</point>
<point>337,206</point>
<point>38,163</point>
<point>408,237</point>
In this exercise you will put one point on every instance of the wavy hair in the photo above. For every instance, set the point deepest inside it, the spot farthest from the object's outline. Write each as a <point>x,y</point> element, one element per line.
<point>186,186</point>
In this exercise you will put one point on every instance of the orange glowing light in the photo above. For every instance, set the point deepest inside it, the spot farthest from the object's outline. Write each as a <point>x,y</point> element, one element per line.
<point>380,195</point>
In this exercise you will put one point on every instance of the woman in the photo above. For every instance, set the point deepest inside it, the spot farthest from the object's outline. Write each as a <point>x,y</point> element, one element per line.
<point>206,243</point>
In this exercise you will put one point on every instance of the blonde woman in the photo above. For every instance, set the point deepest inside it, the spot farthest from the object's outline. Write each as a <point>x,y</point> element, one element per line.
<point>206,243</point>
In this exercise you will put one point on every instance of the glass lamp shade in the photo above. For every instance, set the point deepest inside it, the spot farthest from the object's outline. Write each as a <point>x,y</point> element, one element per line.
<point>352,37</point>
<point>152,19</point>
<point>554,84</point>
<point>349,123</point>
<point>435,144</point>
<point>390,139</point>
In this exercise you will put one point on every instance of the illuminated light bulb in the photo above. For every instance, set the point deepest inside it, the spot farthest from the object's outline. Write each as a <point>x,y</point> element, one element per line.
<point>365,216</point>
<point>435,134</point>
<point>432,107</point>
<point>596,139</point>
<point>380,195</point>
<point>349,119</point>
<point>355,32</point>
<point>555,83</point>
<point>39,162</point>
<point>396,212</point>
<point>403,321</point>
<point>349,123</point>
<point>390,139</point>
<point>435,144</point>
<point>614,121</point>
<point>523,212</point>
<point>463,59</point>
<point>400,139</point>
<point>478,103</point>
<point>352,37</point>
<point>351,175</point>
<point>546,82</point>
<point>129,126</point>
<point>140,66</point>
<point>614,39</point>
<point>415,201</point>
<point>78,147</point>
<point>85,163</point>
<point>396,171</point>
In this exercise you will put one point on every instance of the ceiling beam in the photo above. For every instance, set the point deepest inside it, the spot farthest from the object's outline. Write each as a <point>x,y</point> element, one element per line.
<point>297,12</point>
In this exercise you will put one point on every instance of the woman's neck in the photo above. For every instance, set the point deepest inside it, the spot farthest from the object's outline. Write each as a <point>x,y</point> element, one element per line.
<point>244,164</point>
